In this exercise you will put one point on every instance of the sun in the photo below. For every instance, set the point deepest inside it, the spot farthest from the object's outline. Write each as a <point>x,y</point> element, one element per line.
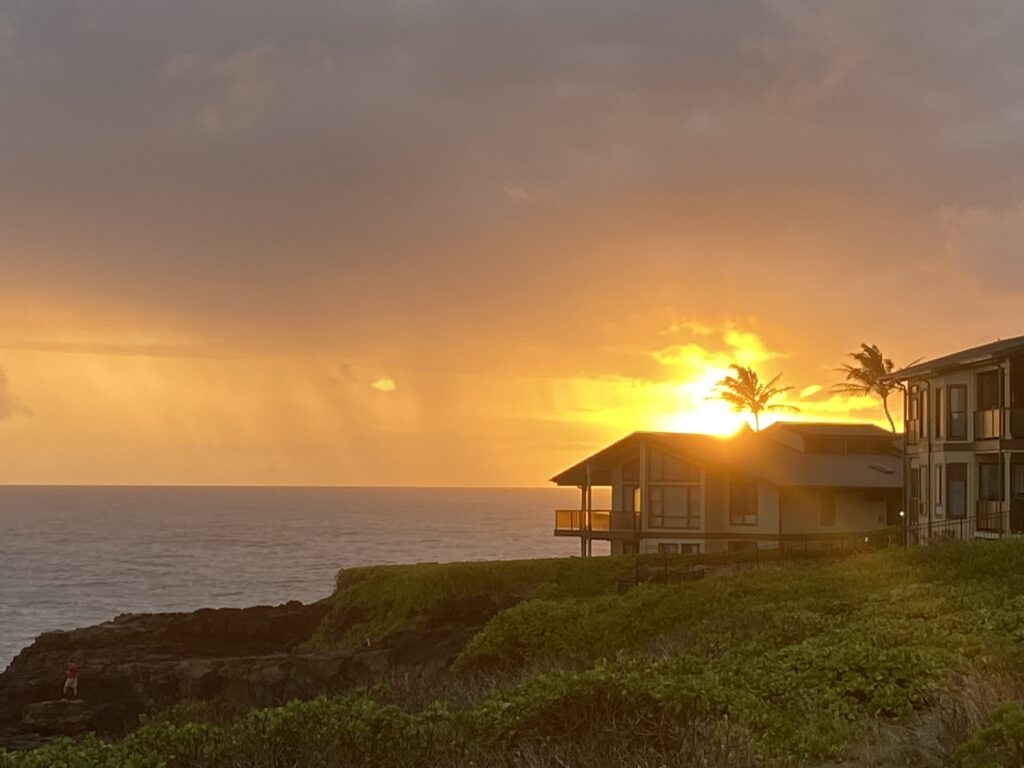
<point>700,410</point>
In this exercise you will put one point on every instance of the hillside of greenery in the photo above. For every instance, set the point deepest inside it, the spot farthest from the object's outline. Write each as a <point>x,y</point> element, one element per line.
<point>896,657</point>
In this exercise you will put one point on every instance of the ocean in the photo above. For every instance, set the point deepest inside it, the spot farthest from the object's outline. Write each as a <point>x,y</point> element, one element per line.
<point>75,556</point>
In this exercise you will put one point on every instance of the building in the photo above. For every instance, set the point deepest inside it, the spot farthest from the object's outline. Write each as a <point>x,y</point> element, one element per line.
<point>689,493</point>
<point>964,443</point>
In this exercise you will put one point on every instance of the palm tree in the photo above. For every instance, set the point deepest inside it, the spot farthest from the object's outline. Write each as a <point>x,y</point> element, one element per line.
<point>867,377</point>
<point>745,392</point>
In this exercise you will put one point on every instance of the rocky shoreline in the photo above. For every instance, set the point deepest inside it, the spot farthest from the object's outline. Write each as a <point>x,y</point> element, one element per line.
<point>244,657</point>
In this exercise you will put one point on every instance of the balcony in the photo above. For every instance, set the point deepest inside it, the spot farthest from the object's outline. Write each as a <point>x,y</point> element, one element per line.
<point>988,424</point>
<point>990,516</point>
<point>570,520</point>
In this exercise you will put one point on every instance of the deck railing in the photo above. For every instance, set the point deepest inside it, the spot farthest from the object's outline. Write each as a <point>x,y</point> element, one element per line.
<point>990,516</point>
<point>988,520</point>
<point>576,520</point>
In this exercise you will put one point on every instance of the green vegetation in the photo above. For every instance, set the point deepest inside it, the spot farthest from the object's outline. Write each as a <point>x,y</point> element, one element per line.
<point>898,657</point>
<point>370,604</point>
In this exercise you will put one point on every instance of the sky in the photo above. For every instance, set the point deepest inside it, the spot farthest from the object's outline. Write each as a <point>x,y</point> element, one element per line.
<point>442,242</point>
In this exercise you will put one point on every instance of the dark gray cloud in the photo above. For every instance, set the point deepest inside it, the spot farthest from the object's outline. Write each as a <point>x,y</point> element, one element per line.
<point>409,166</point>
<point>9,404</point>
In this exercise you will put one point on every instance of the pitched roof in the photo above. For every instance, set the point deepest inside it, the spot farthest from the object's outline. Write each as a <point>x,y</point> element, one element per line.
<point>781,464</point>
<point>996,350</point>
<point>810,429</point>
<point>758,455</point>
<point>689,444</point>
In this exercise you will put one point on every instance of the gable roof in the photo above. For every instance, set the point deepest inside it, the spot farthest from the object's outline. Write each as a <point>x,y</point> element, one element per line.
<point>811,429</point>
<point>754,454</point>
<point>781,464</point>
<point>996,350</point>
<point>685,444</point>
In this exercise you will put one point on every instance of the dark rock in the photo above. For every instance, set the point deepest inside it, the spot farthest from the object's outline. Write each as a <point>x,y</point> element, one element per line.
<point>141,662</point>
<point>243,657</point>
<point>61,717</point>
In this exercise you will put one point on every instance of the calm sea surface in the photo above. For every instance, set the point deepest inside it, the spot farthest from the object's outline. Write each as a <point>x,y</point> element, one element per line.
<point>71,556</point>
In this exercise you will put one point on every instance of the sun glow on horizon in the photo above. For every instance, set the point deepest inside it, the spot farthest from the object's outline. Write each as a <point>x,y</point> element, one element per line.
<point>685,398</point>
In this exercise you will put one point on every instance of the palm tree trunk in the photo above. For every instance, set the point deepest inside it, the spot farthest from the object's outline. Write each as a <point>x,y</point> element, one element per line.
<point>757,421</point>
<point>885,407</point>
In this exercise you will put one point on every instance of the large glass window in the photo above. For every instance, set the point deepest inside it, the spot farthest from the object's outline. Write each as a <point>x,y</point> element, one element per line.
<point>956,490</point>
<point>990,481</point>
<point>913,404</point>
<point>988,390</point>
<point>742,502</point>
<point>956,414</point>
<point>938,413</point>
<point>1017,480</point>
<point>674,506</point>
<point>665,468</point>
<point>631,470</point>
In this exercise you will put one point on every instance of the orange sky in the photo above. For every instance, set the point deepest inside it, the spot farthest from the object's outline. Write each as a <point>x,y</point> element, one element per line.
<point>450,244</point>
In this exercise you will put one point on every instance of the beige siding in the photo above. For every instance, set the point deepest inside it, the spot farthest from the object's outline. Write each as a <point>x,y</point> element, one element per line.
<point>801,511</point>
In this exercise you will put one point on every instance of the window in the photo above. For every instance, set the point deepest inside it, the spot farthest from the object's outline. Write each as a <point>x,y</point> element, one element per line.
<point>913,404</point>
<point>668,549</point>
<point>956,413</point>
<point>828,508</point>
<point>674,492</point>
<point>913,426</point>
<point>665,468</point>
<point>631,470</point>
<point>956,490</point>
<point>631,500</point>
<point>922,422</point>
<point>990,481</point>
<point>674,506</point>
<point>742,502</point>
<point>988,390</point>
<point>1017,480</point>
<point>938,413</point>
<point>938,485</point>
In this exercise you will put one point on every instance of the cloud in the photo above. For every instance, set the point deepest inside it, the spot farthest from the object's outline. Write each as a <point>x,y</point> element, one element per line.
<point>385,384</point>
<point>228,95</point>
<point>984,244</point>
<point>9,404</point>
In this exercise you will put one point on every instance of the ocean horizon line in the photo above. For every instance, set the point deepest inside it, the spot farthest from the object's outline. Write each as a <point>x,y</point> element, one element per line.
<point>284,486</point>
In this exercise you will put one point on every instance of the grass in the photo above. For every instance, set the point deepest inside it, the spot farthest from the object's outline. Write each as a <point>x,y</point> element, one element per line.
<point>370,604</point>
<point>898,657</point>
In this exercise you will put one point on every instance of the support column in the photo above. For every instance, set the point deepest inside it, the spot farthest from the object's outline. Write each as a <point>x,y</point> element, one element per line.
<point>590,518</point>
<point>583,521</point>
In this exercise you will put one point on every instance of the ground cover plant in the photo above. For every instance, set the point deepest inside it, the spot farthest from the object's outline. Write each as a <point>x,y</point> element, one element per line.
<point>901,656</point>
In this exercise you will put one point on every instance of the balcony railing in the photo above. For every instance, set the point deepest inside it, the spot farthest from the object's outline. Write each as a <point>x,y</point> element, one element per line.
<point>576,520</point>
<point>988,425</point>
<point>990,516</point>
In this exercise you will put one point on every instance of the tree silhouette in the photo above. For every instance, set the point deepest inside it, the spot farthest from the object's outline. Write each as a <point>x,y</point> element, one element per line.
<point>866,377</point>
<point>745,392</point>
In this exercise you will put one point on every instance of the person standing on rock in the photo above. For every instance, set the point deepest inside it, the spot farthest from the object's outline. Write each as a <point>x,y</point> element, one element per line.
<point>71,683</point>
